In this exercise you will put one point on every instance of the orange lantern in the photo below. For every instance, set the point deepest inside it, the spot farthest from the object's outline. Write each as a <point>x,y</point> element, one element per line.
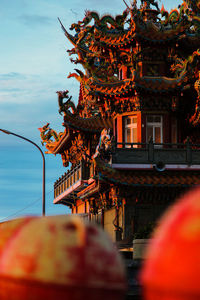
<point>172,267</point>
<point>58,257</point>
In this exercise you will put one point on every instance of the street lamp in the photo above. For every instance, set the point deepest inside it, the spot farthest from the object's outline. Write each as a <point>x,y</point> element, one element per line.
<point>43,181</point>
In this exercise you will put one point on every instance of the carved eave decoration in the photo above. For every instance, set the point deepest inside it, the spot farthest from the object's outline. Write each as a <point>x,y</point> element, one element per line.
<point>50,138</point>
<point>94,124</point>
<point>66,138</point>
<point>75,152</point>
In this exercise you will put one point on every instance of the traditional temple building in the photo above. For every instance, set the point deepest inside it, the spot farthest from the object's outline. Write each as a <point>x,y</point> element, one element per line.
<point>131,143</point>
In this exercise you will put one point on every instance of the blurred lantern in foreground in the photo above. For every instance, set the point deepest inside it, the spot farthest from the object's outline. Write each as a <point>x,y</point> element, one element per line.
<point>172,268</point>
<point>58,257</point>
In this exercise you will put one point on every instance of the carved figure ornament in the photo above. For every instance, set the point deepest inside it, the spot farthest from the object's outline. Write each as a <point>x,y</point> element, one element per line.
<point>46,133</point>
<point>104,142</point>
<point>64,106</point>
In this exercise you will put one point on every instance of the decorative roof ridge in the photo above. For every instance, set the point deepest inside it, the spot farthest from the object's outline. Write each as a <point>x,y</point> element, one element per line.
<point>62,140</point>
<point>113,84</point>
<point>53,146</point>
<point>71,115</point>
<point>91,124</point>
<point>156,85</point>
<point>67,34</point>
<point>134,79</point>
<point>120,38</point>
<point>112,32</point>
<point>161,34</point>
<point>154,33</point>
<point>162,78</point>
<point>165,83</point>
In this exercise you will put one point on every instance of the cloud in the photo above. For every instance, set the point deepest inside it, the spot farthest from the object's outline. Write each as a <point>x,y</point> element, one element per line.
<point>11,84</point>
<point>22,88</point>
<point>12,75</point>
<point>35,20</point>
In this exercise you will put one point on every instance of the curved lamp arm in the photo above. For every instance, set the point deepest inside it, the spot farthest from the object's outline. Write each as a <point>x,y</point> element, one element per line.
<point>43,181</point>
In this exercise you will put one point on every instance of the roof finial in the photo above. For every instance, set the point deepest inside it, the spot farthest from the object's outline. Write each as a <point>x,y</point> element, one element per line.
<point>126,4</point>
<point>63,28</point>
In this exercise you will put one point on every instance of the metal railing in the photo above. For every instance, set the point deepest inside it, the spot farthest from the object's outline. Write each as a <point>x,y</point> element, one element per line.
<point>134,153</point>
<point>72,176</point>
<point>167,153</point>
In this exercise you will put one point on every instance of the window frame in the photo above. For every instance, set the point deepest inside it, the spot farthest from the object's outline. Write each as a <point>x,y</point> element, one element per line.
<point>155,124</point>
<point>131,126</point>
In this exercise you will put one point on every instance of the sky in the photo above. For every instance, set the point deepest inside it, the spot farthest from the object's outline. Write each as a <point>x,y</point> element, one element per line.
<point>34,65</point>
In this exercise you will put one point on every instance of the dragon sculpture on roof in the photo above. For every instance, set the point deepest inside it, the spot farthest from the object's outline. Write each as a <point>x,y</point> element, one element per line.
<point>65,106</point>
<point>47,134</point>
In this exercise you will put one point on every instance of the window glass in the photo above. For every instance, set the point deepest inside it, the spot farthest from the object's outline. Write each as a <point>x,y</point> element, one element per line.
<point>131,130</point>
<point>157,119</point>
<point>149,133</point>
<point>128,135</point>
<point>154,129</point>
<point>134,137</point>
<point>128,120</point>
<point>149,119</point>
<point>157,135</point>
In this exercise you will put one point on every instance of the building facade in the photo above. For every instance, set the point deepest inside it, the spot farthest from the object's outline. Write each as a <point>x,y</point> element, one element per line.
<point>132,141</point>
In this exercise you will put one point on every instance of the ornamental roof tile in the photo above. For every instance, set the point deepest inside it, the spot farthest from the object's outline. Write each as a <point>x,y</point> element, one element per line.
<point>154,84</point>
<point>154,33</point>
<point>147,177</point>
<point>94,124</point>
<point>150,32</point>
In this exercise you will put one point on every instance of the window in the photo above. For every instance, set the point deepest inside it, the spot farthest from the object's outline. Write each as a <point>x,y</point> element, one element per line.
<point>154,129</point>
<point>131,130</point>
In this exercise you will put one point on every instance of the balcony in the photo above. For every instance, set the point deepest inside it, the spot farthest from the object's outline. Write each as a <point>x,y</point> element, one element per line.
<point>129,156</point>
<point>160,156</point>
<point>72,182</point>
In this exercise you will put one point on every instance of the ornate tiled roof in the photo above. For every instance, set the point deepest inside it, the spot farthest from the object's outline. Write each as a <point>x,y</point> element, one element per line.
<point>157,34</point>
<point>149,31</point>
<point>94,124</point>
<point>158,84</point>
<point>147,177</point>
<point>153,33</point>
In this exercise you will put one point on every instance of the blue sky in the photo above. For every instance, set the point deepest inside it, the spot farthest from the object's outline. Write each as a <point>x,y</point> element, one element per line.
<point>33,66</point>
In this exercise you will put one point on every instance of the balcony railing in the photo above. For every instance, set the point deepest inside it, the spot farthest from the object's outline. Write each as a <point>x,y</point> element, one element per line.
<point>76,174</point>
<point>128,154</point>
<point>153,153</point>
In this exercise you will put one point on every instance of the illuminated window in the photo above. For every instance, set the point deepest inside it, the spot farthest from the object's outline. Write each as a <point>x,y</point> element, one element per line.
<point>154,128</point>
<point>131,130</point>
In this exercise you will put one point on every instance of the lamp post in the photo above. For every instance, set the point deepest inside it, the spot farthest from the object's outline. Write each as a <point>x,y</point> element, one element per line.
<point>43,181</point>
